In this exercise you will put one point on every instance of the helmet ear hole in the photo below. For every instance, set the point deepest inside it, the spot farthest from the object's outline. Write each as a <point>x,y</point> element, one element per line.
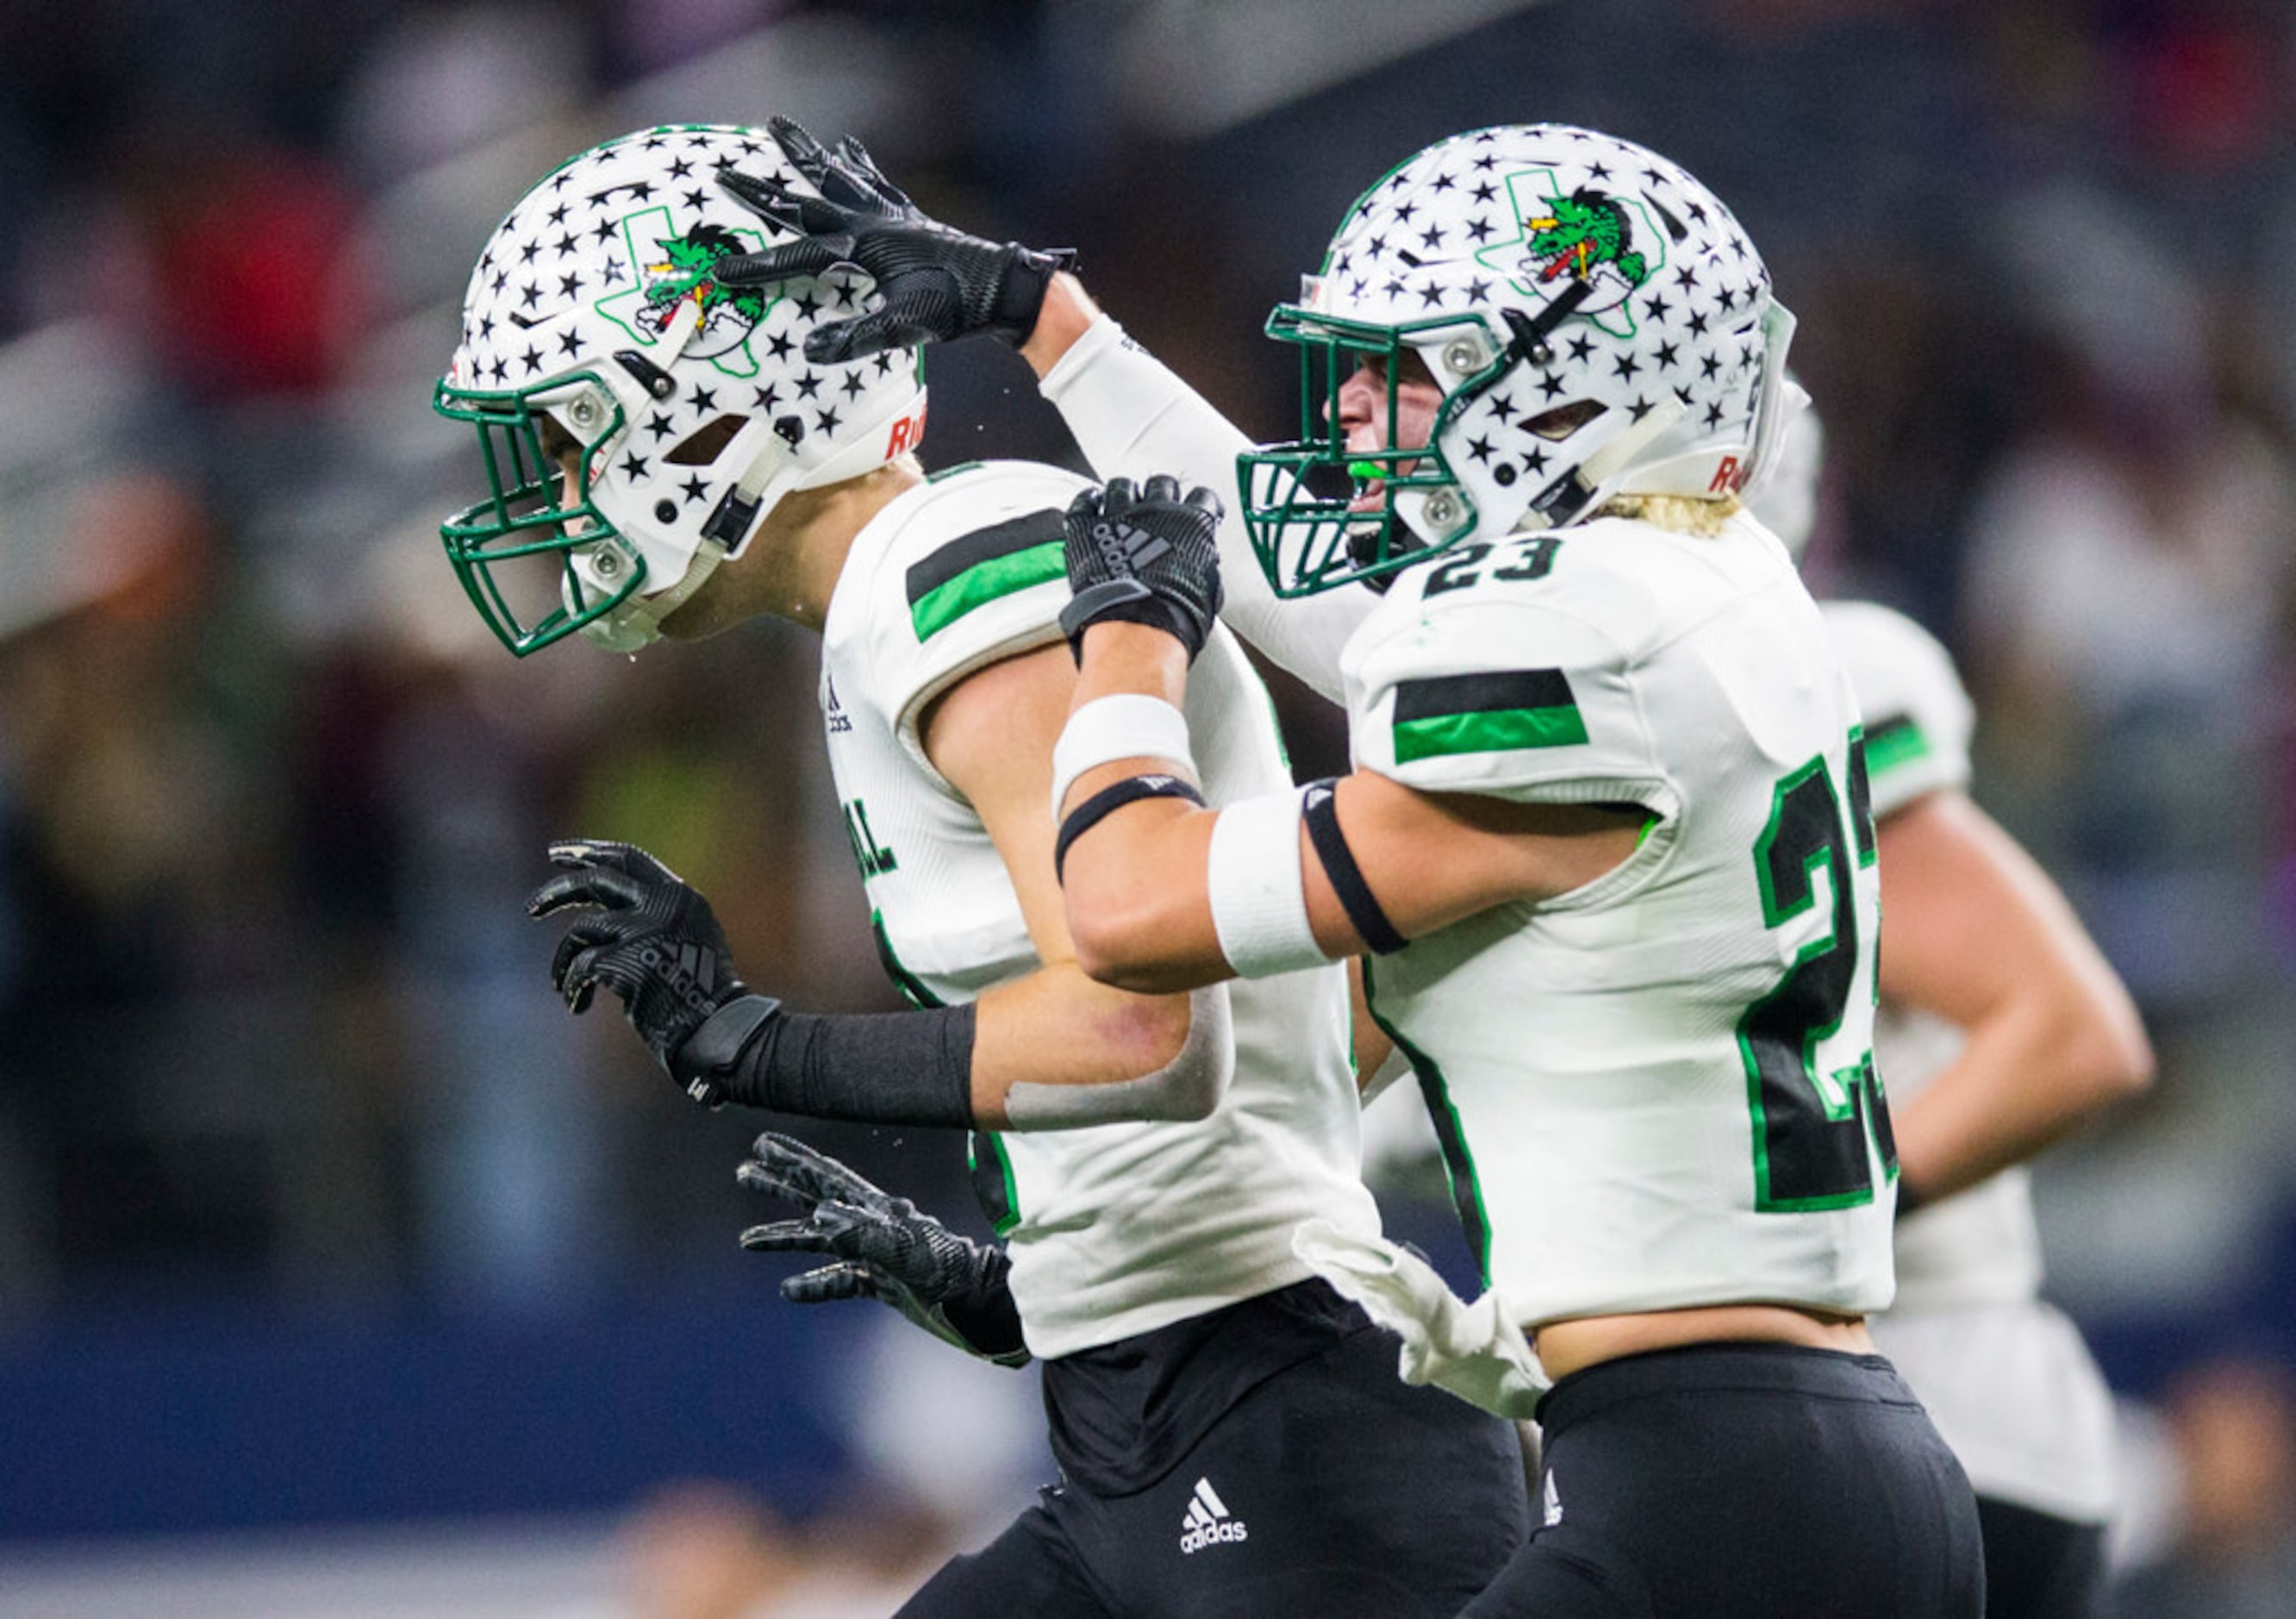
<point>1564,420</point>
<point>706,443</point>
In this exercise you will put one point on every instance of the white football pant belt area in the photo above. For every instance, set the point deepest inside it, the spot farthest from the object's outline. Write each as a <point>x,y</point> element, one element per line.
<point>1188,1088</point>
<point>1475,1351</point>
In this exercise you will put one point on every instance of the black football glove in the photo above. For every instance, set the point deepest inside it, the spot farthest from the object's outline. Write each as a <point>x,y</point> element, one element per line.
<point>882,1248</point>
<point>933,283</point>
<point>1149,558</point>
<point>654,943</point>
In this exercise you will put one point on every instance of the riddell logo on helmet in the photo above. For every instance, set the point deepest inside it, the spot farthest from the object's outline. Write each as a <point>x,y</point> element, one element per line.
<point>1728,474</point>
<point>907,433</point>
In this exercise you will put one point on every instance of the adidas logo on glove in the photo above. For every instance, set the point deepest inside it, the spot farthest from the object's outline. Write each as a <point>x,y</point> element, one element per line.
<point>1208,1521</point>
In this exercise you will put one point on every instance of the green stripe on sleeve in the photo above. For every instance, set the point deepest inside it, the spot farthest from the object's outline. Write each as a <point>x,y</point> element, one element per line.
<point>975,569</point>
<point>1484,713</point>
<point>983,583</point>
<point>1892,742</point>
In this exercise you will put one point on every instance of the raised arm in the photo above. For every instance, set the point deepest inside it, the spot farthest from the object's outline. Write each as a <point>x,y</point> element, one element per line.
<point>1130,415</point>
<point>1162,894</point>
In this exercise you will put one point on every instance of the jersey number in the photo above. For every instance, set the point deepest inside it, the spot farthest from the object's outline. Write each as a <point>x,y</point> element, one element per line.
<point>1812,1122</point>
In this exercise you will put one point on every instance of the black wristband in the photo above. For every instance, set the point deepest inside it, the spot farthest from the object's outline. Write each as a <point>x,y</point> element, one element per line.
<point>1321,811</point>
<point>1089,814</point>
<point>911,1068</point>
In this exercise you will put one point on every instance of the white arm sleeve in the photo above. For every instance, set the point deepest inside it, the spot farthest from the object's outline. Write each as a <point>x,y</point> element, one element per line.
<point>1133,417</point>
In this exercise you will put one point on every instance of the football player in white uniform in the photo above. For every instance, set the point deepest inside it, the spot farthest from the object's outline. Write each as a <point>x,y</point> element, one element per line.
<point>1606,844</point>
<point>663,460</point>
<point>2001,1027</point>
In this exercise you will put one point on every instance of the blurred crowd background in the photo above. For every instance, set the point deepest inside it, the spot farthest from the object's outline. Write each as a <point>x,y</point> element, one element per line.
<point>321,1225</point>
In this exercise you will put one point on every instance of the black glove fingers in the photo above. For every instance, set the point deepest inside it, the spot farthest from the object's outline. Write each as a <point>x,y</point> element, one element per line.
<point>854,158</point>
<point>804,152</point>
<point>598,890</point>
<point>1161,486</point>
<point>789,1168</point>
<point>829,1284</point>
<point>1116,503</point>
<point>760,195</point>
<point>786,1237</point>
<point>1208,500</point>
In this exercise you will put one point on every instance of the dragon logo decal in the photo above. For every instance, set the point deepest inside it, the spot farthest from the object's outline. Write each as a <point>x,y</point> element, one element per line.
<point>675,268</point>
<point>1584,236</point>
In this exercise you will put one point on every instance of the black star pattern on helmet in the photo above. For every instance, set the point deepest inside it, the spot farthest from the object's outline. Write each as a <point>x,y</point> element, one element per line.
<point>679,168</point>
<point>1695,208</point>
<point>570,342</point>
<point>501,372</point>
<point>884,361</point>
<point>1598,171</point>
<point>1402,178</point>
<point>640,190</point>
<point>604,229</point>
<point>1666,353</point>
<point>1534,460</point>
<point>1356,287</point>
<point>1581,346</point>
<point>1430,294</point>
<point>660,426</point>
<point>658,138</point>
<point>526,254</point>
<point>1442,182</point>
<point>1627,367</point>
<point>854,382</point>
<point>1479,448</point>
<point>1686,278</point>
<point>501,280</point>
<point>1394,288</point>
<point>564,244</point>
<point>1486,163</point>
<point>557,215</point>
<point>808,306</point>
<point>1484,192</point>
<point>1375,246</point>
<point>705,399</point>
<point>827,420</point>
<point>693,489</point>
<point>765,397</point>
<point>570,283</point>
<point>1641,408</point>
<point>1478,289</point>
<point>1713,415</point>
<point>1405,211</point>
<point>780,344</point>
<point>634,466</point>
<point>1502,406</point>
<point>1698,323</point>
<point>1682,393</point>
<point>1551,385</point>
<point>1432,236</point>
<point>486,326</point>
<point>533,358</point>
<point>697,199</point>
<point>558,181</point>
<point>1657,306</point>
<point>807,386</point>
<point>1708,367</point>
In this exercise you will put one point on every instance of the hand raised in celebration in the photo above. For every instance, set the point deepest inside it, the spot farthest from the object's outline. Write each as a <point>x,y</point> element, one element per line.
<point>1147,557</point>
<point>933,283</point>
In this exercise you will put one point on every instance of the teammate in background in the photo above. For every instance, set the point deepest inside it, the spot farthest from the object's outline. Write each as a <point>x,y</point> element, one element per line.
<point>1606,840</point>
<point>2001,1028</point>
<point>665,461</point>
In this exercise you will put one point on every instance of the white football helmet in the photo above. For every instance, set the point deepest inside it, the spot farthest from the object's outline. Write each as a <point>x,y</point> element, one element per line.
<point>635,418</point>
<point>1786,502</point>
<point>1597,320</point>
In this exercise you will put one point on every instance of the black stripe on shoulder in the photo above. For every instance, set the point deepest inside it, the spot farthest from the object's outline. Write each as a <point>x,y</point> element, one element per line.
<point>1502,689</point>
<point>1021,533</point>
<point>1881,733</point>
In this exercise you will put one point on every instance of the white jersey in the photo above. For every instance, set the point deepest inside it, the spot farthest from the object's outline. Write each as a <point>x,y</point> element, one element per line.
<point>1655,1091</point>
<point>1113,1229</point>
<point>2007,1379</point>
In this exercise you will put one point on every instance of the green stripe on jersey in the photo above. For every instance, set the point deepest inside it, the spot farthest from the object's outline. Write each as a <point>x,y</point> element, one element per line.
<point>976,569</point>
<point>1893,742</point>
<point>1489,713</point>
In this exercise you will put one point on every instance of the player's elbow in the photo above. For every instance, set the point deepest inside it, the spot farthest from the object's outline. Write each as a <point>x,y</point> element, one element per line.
<point>2109,1055</point>
<point>1123,936</point>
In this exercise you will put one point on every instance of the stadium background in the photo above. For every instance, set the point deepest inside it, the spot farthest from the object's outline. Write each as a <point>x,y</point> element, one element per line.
<point>340,1272</point>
